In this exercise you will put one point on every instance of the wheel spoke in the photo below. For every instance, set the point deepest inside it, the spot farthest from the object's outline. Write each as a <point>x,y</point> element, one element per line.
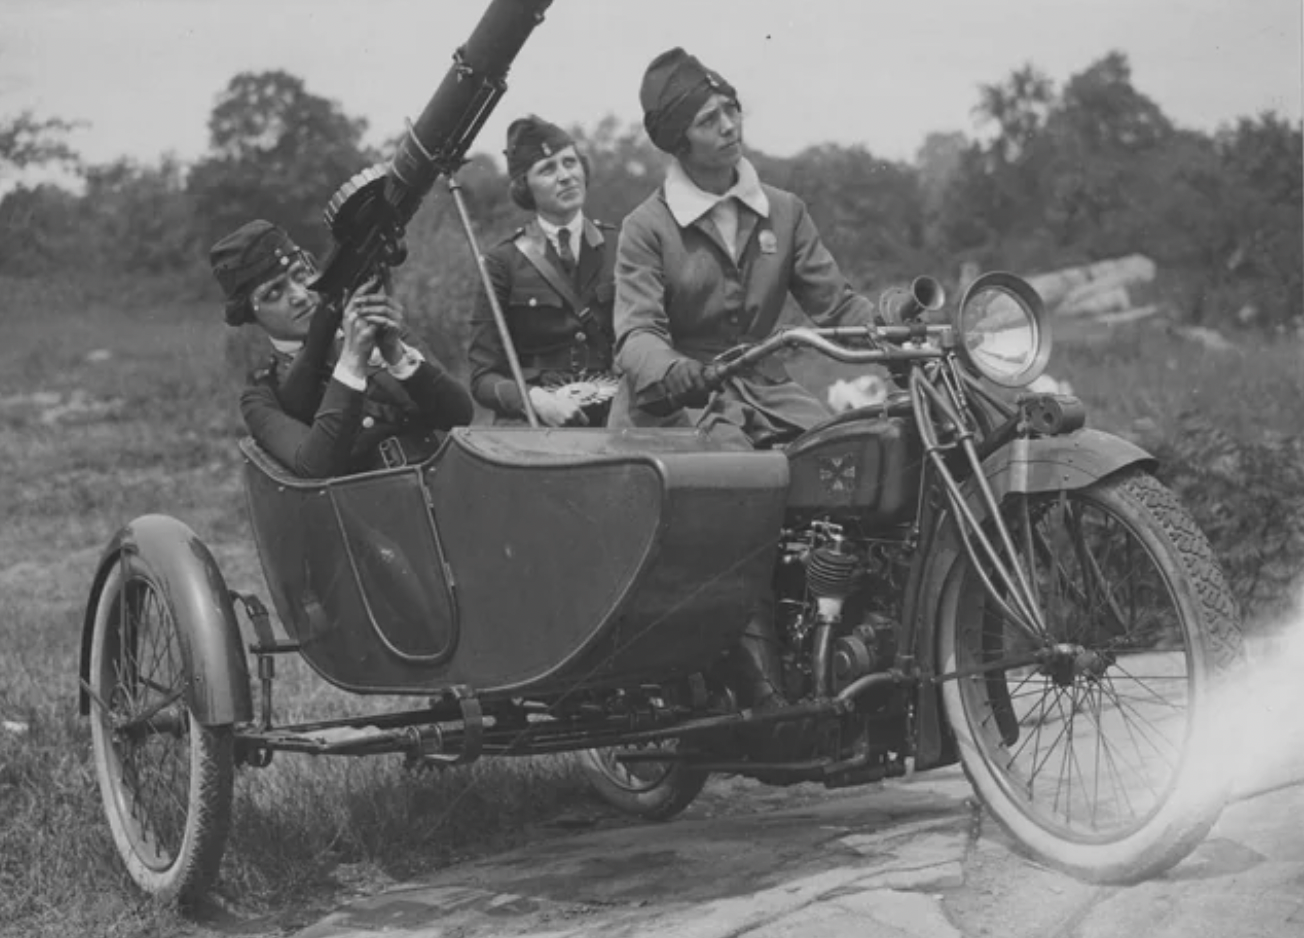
<point>1100,739</point>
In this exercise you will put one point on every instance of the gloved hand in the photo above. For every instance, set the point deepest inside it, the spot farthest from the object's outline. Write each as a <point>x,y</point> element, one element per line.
<point>685,382</point>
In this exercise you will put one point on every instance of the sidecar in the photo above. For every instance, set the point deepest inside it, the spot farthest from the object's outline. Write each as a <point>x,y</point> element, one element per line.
<point>519,562</point>
<point>512,563</point>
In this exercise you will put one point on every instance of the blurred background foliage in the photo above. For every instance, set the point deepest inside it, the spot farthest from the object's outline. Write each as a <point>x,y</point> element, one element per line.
<point>1053,177</point>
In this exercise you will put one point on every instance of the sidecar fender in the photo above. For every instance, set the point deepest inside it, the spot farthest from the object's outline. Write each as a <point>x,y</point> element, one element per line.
<point>1055,463</point>
<point>196,594</point>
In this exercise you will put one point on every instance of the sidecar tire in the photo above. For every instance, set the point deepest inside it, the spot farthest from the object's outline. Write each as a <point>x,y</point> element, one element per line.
<point>1150,838</point>
<point>167,790</point>
<point>660,800</point>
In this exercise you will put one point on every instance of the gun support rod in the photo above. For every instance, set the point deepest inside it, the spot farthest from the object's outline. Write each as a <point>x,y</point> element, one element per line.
<point>500,320</point>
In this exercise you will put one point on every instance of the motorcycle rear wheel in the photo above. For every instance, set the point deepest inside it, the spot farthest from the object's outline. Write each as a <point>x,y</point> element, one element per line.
<point>654,791</point>
<point>1108,758</point>
<point>165,779</point>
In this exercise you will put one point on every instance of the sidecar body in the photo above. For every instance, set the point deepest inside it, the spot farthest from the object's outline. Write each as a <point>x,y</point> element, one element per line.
<point>519,562</point>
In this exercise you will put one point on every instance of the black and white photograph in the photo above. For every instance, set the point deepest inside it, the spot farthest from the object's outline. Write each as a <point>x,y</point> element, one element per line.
<point>617,469</point>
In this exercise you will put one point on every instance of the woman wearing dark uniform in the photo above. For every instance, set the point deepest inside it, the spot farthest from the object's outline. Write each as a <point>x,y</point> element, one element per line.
<point>554,281</point>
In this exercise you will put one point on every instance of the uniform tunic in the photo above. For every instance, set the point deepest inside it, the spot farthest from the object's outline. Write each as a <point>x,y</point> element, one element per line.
<point>680,293</point>
<point>557,332</point>
<point>348,427</point>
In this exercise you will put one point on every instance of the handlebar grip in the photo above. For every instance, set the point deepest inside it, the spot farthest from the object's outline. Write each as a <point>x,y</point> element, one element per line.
<point>659,402</point>
<point>715,375</point>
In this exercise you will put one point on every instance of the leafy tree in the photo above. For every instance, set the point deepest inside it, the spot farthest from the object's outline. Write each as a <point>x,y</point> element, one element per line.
<point>276,152</point>
<point>39,229</point>
<point>26,141</point>
<point>869,211</point>
<point>937,161</point>
<point>993,209</point>
<point>142,216</point>
<point>1101,135</point>
<point>626,167</point>
<point>1018,108</point>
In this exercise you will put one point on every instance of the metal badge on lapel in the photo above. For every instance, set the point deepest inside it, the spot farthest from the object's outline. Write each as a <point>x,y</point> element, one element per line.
<point>769,243</point>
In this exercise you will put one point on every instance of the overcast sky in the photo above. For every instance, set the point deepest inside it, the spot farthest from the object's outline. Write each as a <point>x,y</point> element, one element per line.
<point>145,73</point>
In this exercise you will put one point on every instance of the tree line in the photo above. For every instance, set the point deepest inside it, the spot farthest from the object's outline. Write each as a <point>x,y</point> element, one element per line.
<point>1053,177</point>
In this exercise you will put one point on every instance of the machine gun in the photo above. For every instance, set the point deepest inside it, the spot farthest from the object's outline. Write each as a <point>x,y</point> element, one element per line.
<point>368,214</point>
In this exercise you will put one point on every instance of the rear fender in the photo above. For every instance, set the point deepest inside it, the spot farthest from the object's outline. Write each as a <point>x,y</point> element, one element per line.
<point>1044,464</point>
<point>218,692</point>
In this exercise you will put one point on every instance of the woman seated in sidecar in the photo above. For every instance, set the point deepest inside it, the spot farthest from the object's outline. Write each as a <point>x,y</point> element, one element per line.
<point>379,400</point>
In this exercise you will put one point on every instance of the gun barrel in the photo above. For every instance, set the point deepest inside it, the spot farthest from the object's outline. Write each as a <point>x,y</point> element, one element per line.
<point>439,138</point>
<point>368,214</point>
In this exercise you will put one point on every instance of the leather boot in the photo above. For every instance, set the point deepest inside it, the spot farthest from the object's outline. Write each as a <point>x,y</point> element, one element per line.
<point>759,668</point>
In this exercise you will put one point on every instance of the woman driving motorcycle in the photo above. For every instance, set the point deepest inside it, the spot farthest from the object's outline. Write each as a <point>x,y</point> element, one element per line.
<point>705,262</point>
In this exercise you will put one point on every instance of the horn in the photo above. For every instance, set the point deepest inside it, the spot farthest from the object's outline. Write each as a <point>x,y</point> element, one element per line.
<point>905,304</point>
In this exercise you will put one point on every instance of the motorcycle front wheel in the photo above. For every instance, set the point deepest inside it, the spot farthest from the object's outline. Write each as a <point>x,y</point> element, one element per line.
<point>166,780</point>
<point>1101,747</point>
<point>654,791</point>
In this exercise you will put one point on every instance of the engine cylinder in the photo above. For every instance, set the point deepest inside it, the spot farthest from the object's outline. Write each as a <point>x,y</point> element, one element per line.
<point>830,573</point>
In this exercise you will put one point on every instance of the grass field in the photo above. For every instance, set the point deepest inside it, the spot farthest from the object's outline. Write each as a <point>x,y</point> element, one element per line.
<point>112,408</point>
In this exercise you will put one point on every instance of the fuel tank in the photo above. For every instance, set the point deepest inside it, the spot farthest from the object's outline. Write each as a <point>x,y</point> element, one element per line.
<point>855,466</point>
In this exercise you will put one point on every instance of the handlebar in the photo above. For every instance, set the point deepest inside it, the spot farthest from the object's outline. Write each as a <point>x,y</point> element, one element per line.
<point>885,341</point>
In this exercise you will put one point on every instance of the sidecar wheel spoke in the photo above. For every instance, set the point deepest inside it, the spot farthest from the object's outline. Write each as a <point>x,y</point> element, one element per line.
<point>165,779</point>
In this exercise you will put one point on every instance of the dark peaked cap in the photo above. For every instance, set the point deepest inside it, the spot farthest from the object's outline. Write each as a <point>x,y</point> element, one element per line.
<point>675,86</point>
<point>246,258</point>
<point>530,139</point>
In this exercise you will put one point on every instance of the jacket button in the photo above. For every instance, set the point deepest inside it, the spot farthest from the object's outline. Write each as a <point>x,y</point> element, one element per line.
<point>368,422</point>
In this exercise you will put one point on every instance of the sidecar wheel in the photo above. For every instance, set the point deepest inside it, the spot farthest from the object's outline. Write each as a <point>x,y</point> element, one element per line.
<point>655,791</point>
<point>1108,758</point>
<point>166,780</point>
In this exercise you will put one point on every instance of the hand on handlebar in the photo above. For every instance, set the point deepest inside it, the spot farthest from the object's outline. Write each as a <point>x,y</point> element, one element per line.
<point>686,382</point>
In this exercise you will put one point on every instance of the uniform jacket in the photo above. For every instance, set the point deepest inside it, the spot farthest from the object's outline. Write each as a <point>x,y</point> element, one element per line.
<point>680,293</point>
<point>552,333</point>
<point>348,427</point>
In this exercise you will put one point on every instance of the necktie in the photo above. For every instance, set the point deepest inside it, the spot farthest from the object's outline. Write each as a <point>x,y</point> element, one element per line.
<point>564,251</point>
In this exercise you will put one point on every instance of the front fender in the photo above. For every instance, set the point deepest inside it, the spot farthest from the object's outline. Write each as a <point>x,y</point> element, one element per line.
<point>196,594</point>
<point>1055,463</point>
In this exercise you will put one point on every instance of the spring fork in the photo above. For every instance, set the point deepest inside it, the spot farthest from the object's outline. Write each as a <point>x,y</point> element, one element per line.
<point>1026,616</point>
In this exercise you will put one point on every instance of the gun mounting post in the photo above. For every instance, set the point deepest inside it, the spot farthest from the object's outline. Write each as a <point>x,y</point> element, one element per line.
<point>500,321</point>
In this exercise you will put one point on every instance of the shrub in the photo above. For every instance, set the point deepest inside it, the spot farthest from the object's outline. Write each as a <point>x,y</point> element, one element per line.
<point>1248,497</point>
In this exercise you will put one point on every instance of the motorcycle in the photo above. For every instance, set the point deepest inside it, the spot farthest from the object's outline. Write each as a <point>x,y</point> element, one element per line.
<point>961,573</point>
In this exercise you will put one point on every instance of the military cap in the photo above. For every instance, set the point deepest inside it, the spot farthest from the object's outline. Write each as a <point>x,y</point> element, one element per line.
<point>530,139</point>
<point>246,258</point>
<point>675,86</point>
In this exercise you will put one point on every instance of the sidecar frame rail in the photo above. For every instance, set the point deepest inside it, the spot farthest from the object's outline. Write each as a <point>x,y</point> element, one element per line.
<point>443,732</point>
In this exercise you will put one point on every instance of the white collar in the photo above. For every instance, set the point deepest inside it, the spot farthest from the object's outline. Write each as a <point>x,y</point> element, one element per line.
<point>688,202</point>
<point>575,226</point>
<point>286,346</point>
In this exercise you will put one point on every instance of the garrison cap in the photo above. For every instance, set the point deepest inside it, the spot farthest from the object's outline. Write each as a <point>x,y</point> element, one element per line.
<point>246,258</point>
<point>675,86</point>
<point>530,139</point>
